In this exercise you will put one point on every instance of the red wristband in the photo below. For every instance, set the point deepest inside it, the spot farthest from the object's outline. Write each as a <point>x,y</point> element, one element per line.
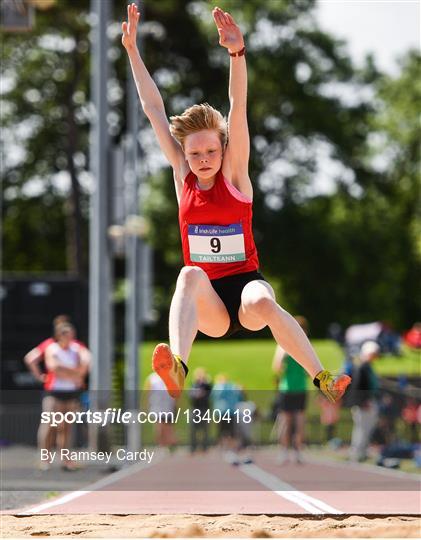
<point>239,53</point>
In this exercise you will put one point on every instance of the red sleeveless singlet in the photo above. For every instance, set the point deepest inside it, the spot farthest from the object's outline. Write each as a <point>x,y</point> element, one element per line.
<point>216,228</point>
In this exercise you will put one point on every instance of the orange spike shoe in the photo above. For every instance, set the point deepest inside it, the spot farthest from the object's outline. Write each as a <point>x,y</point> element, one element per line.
<point>332,387</point>
<point>170,368</point>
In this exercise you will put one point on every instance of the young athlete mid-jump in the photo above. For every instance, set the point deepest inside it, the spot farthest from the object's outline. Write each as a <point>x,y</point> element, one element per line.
<point>219,290</point>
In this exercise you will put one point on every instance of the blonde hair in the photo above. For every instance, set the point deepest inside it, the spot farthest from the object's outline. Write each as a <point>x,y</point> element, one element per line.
<point>197,118</point>
<point>60,319</point>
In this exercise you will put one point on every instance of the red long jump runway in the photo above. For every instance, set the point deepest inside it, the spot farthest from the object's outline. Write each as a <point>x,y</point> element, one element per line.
<point>184,484</point>
<point>353,488</point>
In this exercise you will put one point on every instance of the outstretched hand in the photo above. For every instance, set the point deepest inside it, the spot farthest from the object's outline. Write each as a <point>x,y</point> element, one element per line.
<point>230,35</point>
<point>129,27</point>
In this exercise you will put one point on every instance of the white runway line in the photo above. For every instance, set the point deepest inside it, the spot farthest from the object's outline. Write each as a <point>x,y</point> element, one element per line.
<point>288,492</point>
<point>112,478</point>
<point>61,500</point>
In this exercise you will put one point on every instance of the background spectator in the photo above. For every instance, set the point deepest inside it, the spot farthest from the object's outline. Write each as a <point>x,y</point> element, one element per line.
<point>412,338</point>
<point>159,401</point>
<point>225,398</point>
<point>247,412</point>
<point>292,400</point>
<point>362,398</point>
<point>199,395</point>
<point>35,361</point>
<point>67,365</point>
<point>411,415</point>
<point>329,416</point>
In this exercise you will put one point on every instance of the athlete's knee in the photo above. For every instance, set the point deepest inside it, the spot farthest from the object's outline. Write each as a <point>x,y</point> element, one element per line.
<point>259,304</point>
<point>190,276</point>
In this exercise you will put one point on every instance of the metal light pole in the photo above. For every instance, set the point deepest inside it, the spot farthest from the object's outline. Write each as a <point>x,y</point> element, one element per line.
<point>100,317</point>
<point>133,325</point>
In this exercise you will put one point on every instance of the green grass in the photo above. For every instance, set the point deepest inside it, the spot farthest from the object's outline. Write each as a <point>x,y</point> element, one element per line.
<point>248,362</point>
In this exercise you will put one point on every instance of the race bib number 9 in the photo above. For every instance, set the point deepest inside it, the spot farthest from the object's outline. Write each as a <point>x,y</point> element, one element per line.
<point>216,243</point>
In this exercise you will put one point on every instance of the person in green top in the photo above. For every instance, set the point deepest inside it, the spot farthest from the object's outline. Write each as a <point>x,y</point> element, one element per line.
<point>292,386</point>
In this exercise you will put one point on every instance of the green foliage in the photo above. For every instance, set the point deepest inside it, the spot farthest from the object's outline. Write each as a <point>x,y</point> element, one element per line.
<point>249,362</point>
<point>32,244</point>
<point>353,255</point>
<point>398,123</point>
<point>45,115</point>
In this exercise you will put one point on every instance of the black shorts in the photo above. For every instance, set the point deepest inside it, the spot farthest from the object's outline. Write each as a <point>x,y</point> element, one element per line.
<point>292,401</point>
<point>226,428</point>
<point>229,290</point>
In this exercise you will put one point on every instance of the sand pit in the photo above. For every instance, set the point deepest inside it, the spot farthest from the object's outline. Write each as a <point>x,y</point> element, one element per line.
<point>170,526</point>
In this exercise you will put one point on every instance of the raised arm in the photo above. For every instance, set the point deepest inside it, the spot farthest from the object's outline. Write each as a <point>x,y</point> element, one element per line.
<point>53,364</point>
<point>238,149</point>
<point>149,95</point>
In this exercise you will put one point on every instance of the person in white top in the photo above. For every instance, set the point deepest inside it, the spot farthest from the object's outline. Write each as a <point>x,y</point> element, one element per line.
<point>67,367</point>
<point>160,402</point>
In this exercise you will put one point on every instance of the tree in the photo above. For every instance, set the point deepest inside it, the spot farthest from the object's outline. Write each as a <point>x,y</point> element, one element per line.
<point>397,140</point>
<point>306,99</point>
<point>45,116</point>
<point>361,255</point>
